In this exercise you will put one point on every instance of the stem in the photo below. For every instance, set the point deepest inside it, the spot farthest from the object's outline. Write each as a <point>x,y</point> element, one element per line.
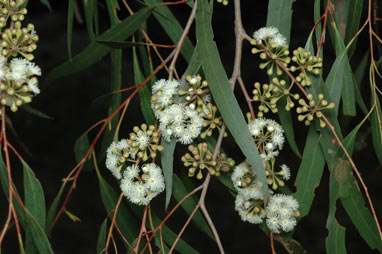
<point>182,38</point>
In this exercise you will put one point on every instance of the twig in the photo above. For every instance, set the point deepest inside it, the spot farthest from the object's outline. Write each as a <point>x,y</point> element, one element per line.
<point>112,223</point>
<point>247,98</point>
<point>179,45</point>
<point>141,230</point>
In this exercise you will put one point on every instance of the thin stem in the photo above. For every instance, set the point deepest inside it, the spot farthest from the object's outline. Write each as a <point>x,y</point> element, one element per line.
<point>247,98</point>
<point>141,230</point>
<point>179,45</point>
<point>112,223</point>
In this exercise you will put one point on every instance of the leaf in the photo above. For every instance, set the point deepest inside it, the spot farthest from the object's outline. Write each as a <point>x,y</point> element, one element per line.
<point>144,92</point>
<point>310,172</point>
<point>335,79</point>
<point>335,242</point>
<point>101,242</point>
<point>95,51</point>
<point>126,222</point>
<point>172,27</point>
<point>81,147</point>
<point>222,92</point>
<point>348,97</point>
<point>35,112</point>
<point>38,235</point>
<point>280,15</point>
<point>70,27</point>
<point>376,130</point>
<point>352,23</point>
<point>47,4</point>
<point>167,161</point>
<point>53,210</point>
<point>89,16</point>
<point>179,192</point>
<point>34,195</point>
<point>35,203</point>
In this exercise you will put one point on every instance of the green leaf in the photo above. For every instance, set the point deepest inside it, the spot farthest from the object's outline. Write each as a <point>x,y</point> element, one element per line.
<point>188,205</point>
<point>70,27</point>
<point>47,4</point>
<point>222,92</point>
<point>376,130</point>
<point>352,23</point>
<point>81,147</point>
<point>144,92</point>
<point>38,235</point>
<point>167,161</point>
<point>280,15</point>
<point>172,27</point>
<point>348,97</point>
<point>334,81</point>
<point>335,242</point>
<point>89,16</point>
<point>102,237</point>
<point>127,223</point>
<point>53,210</point>
<point>35,203</point>
<point>310,172</point>
<point>34,195</point>
<point>95,51</point>
<point>35,112</point>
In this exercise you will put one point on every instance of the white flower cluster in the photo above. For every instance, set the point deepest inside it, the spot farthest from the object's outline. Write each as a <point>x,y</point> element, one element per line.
<point>175,120</point>
<point>142,185</point>
<point>268,135</point>
<point>116,155</point>
<point>270,35</point>
<point>250,197</point>
<point>281,212</point>
<point>138,185</point>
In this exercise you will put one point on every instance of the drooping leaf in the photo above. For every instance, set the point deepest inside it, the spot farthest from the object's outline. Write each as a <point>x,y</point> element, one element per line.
<point>222,92</point>
<point>35,112</point>
<point>127,223</point>
<point>348,97</point>
<point>95,51</point>
<point>376,129</point>
<point>102,237</point>
<point>89,16</point>
<point>280,15</point>
<point>70,27</point>
<point>144,92</point>
<point>53,210</point>
<point>167,161</point>
<point>353,22</point>
<point>310,172</point>
<point>179,192</point>
<point>47,4</point>
<point>81,147</point>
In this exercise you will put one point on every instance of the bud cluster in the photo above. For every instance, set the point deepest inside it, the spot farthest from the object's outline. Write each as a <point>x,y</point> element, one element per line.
<point>201,158</point>
<point>144,141</point>
<point>305,63</point>
<point>271,45</point>
<point>307,111</point>
<point>11,9</point>
<point>18,81</point>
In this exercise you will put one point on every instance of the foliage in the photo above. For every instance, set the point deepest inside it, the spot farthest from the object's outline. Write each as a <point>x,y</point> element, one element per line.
<point>196,119</point>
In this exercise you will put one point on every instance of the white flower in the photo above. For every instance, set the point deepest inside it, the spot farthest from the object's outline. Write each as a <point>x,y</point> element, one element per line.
<point>246,210</point>
<point>19,68</point>
<point>142,140</point>
<point>280,210</point>
<point>158,85</point>
<point>131,172</point>
<point>279,40</point>
<point>273,224</point>
<point>122,144</point>
<point>186,138</point>
<point>287,224</point>
<point>112,163</point>
<point>265,32</point>
<point>278,139</point>
<point>3,67</point>
<point>33,86</point>
<point>285,172</point>
<point>33,69</point>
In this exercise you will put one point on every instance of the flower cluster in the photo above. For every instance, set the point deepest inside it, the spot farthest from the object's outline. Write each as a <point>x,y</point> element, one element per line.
<point>281,213</point>
<point>175,119</point>
<point>271,45</point>
<point>140,185</point>
<point>18,81</point>
<point>269,138</point>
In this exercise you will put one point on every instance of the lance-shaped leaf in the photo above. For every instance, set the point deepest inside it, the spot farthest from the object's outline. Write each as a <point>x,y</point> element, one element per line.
<point>70,27</point>
<point>352,23</point>
<point>222,92</point>
<point>376,129</point>
<point>89,16</point>
<point>95,51</point>
<point>102,237</point>
<point>167,161</point>
<point>310,172</point>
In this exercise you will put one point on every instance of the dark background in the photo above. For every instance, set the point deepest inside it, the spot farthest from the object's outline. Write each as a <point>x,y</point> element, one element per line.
<point>74,103</point>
